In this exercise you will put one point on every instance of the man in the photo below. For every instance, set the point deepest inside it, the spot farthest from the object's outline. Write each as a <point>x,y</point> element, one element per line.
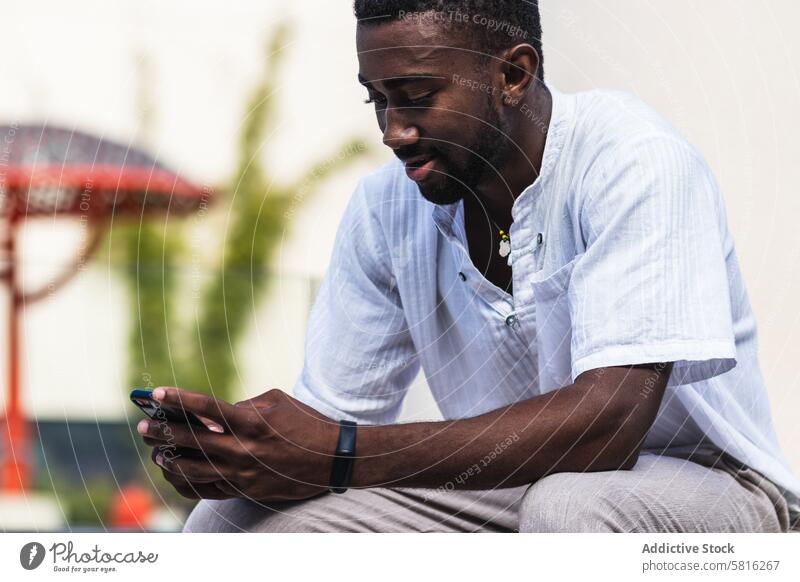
<point>561,269</point>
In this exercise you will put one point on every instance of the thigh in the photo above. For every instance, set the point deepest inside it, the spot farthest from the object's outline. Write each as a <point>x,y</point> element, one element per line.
<point>366,510</point>
<point>660,494</point>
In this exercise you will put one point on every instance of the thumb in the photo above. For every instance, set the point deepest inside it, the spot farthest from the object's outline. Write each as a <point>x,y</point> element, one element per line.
<point>210,424</point>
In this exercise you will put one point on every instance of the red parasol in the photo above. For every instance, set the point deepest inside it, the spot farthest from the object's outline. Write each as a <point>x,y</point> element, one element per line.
<point>52,172</point>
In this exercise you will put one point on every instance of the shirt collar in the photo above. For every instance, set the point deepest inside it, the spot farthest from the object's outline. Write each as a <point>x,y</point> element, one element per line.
<point>560,117</point>
<point>444,215</point>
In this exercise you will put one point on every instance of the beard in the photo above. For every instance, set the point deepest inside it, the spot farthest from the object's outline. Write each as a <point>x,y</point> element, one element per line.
<point>486,155</point>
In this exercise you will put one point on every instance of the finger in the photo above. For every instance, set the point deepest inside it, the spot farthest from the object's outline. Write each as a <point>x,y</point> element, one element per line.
<point>157,455</point>
<point>159,445</point>
<point>151,442</point>
<point>179,435</point>
<point>201,491</point>
<point>228,488</point>
<point>210,424</point>
<point>177,481</point>
<point>169,453</point>
<point>203,405</point>
<point>193,470</point>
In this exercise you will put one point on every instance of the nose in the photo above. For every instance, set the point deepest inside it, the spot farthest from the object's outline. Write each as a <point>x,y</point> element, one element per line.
<point>397,132</point>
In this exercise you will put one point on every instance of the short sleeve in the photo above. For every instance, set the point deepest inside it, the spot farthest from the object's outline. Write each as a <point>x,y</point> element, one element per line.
<point>359,356</point>
<point>652,285</point>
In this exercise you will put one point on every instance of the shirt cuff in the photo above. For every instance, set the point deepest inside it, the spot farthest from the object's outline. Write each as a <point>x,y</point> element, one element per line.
<point>693,361</point>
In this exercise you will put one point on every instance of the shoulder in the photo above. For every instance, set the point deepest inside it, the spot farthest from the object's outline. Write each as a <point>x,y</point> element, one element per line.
<point>617,136</point>
<point>613,128</point>
<point>626,157</point>
<point>613,116</point>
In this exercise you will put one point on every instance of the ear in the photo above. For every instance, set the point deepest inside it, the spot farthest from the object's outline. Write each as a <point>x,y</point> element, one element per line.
<point>520,69</point>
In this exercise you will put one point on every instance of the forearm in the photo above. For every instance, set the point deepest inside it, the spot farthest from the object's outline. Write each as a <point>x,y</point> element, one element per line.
<point>572,429</point>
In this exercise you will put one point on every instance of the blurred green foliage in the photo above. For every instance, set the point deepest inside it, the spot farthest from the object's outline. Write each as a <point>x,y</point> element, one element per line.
<point>154,256</point>
<point>201,355</point>
<point>85,506</point>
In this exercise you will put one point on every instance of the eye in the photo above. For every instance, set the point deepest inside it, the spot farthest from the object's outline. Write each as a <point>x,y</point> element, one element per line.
<point>379,102</point>
<point>421,100</point>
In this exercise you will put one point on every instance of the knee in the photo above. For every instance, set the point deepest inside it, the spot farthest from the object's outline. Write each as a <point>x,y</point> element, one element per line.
<point>560,503</point>
<point>207,516</point>
<point>240,515</point>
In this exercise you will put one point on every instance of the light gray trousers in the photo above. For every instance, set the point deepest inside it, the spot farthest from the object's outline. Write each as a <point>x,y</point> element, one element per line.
<point>709,493</point>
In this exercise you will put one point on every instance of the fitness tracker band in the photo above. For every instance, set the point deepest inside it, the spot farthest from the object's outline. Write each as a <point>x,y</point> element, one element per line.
<point>342,469</point>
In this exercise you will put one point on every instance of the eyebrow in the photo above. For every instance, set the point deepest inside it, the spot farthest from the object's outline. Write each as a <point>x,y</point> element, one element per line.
<point>397,82</point>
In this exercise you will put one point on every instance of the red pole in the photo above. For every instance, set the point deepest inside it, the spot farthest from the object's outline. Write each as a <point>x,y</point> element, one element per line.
<point>15,472</point>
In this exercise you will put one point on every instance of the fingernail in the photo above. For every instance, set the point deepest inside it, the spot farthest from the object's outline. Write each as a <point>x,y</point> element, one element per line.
<point>160,460</point>
<point>216,428</point>
<point>142,426</point>
<point>159,393</point>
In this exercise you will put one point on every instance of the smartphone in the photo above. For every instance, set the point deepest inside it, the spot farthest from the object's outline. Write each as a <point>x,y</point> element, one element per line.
<point>159,412</point>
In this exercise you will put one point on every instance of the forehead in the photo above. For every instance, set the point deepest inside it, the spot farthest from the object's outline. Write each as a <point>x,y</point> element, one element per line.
<point>402,47</point>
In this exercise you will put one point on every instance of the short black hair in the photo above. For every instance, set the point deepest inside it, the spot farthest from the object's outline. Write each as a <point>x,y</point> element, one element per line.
<point>495,24</point>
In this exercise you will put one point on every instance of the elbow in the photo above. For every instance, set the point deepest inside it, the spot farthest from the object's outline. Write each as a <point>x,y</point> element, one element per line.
<point>629,431</point>
<point>629,460</point>
<point>630,397</point>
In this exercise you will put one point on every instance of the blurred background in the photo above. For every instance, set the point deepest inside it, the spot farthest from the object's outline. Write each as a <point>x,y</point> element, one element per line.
<point>257,105</point>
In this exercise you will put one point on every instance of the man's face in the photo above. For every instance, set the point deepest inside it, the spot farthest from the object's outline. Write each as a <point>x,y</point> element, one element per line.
<point>436,105</point>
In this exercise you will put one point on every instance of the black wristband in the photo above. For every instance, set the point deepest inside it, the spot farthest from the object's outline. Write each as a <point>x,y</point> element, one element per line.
<point>342,469</point>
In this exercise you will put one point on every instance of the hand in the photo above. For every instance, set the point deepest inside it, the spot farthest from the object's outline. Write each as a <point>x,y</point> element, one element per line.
<point>271,448</point>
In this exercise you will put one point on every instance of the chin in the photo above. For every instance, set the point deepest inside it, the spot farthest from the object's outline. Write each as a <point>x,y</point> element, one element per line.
<point>441,199</point>
<point>442,194</point>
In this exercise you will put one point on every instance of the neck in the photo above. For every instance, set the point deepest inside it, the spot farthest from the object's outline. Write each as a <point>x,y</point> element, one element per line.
<point>531,123</point>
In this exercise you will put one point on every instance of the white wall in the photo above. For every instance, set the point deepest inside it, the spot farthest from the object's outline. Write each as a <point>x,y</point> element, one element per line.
<point>726,73</point>
<point>721,70</point>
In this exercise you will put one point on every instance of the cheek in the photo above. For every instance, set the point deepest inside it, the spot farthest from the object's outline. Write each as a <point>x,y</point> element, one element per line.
<point>457,140</point>
<point>466,124</point>
<point>450,131</point>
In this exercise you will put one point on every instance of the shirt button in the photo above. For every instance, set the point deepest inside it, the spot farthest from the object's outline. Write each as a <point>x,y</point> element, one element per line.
<point>463,276</point>
<point>511,320</point>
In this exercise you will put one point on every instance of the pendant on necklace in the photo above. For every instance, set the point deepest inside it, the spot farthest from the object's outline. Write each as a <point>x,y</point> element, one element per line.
<point>505,244</point>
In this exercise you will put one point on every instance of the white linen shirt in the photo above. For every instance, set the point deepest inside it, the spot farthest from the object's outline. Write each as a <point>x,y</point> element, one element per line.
<point>635,264</point>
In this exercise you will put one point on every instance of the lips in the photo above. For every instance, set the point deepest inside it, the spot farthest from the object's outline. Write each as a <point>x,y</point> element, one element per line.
<point>418,169</point>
